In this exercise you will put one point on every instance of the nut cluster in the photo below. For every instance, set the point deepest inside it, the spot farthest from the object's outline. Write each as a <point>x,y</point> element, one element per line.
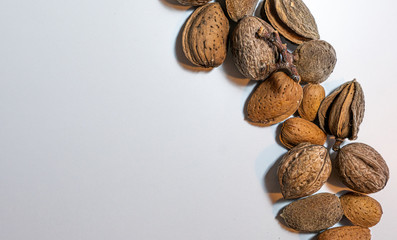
<point>289,82</point>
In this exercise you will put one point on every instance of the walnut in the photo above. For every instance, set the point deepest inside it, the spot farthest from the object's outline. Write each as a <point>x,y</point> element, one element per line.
<point>303,170</point>
<point>362,168</point>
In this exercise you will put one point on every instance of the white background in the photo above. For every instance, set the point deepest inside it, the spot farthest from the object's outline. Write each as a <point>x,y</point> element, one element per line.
<point>106,132</point>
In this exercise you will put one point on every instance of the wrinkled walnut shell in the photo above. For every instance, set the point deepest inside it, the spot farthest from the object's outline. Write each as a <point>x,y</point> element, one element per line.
<point>362,168</point>
<point>303,170</point>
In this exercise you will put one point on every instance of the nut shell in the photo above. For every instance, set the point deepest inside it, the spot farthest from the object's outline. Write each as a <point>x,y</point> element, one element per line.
<point>361,210</point>
<point>273,100</point>
<point>362,168</point>
<point>292,19</point>
<point>193,2</point>
<point>303,170</point>
<point>345,233</point>
<point>313,95</point>
<point>252,55</point>
<point>237,9</point>
<point>341,113</point>
<point>314,213</point>
<point>298,130</point>
<point>315,60</point>
<point>204,38</point>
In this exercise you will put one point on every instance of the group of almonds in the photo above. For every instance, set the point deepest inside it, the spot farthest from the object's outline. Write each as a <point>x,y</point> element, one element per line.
<point>260,55</point>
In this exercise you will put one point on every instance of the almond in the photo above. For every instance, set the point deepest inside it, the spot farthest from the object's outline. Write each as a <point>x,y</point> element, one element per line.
<point>298,130</point>
<point>313,95</point>
<point>273,100</point>
<point>360,209</point>
<point>204,38</point>
<point>314,213</point>
<point>345,233</point>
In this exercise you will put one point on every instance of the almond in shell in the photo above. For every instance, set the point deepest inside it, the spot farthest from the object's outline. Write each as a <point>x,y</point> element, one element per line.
<point>298,130</point>
<point>237,9</point>
<point>204,38</point>
<point>273,100</point>
<point>292,19</point>
<point>313,95</point>
<point>314,213</point>
<point>345,233</point>
<point>361,210</point>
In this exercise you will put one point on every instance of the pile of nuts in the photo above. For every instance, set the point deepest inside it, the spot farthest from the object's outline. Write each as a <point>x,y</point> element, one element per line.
<point>259,54</point>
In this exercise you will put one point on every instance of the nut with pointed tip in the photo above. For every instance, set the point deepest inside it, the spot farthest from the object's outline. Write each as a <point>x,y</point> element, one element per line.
<point>361,210</point>
<point>314,213</point>
<point>298,130</point>
<point>204,38</point>
<point>237,9</point>
<point>273,100</point>
<point>313,95</point>
<point>346,233</point>
<point>292,19</point>
<point>362,168</point>
<point>303,170</point>
<point>341,113</point>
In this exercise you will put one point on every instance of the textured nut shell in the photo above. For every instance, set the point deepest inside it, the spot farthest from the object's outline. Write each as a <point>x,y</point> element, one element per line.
<point>251,54</point>
<point>313,95</point>
<point>314,213</point>
<point>204,38</point>
<point>360,209</point>
<point>237,9</point>
<point>341,113</point>
<point>315,60</point>
<point>193,2</point>
<point>292,19</point>
<point>298,130</point>
<point>303,170</point>
<point>362,168</point>
<point>273,100</point>
<point>345,233</point>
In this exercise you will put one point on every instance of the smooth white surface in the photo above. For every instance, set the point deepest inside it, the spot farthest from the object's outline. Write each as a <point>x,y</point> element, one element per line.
<point>106,133</point>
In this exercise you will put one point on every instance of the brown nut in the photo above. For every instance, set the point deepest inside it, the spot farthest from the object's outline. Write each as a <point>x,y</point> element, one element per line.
<point>298,130</point>
<point>204,38</point>
<point>273,100</point>
<point>361,210</point>
<point>341,113</point>
<point>256,48</point>
<point>345,233</point>
<point>315,60</point>
<point>292,19</point>
<point>313,95</point>
<point>237,9</point>
<point>193,2</point>
<point>314,213</point>
<point>362,168</point>
<point>303,170</point>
